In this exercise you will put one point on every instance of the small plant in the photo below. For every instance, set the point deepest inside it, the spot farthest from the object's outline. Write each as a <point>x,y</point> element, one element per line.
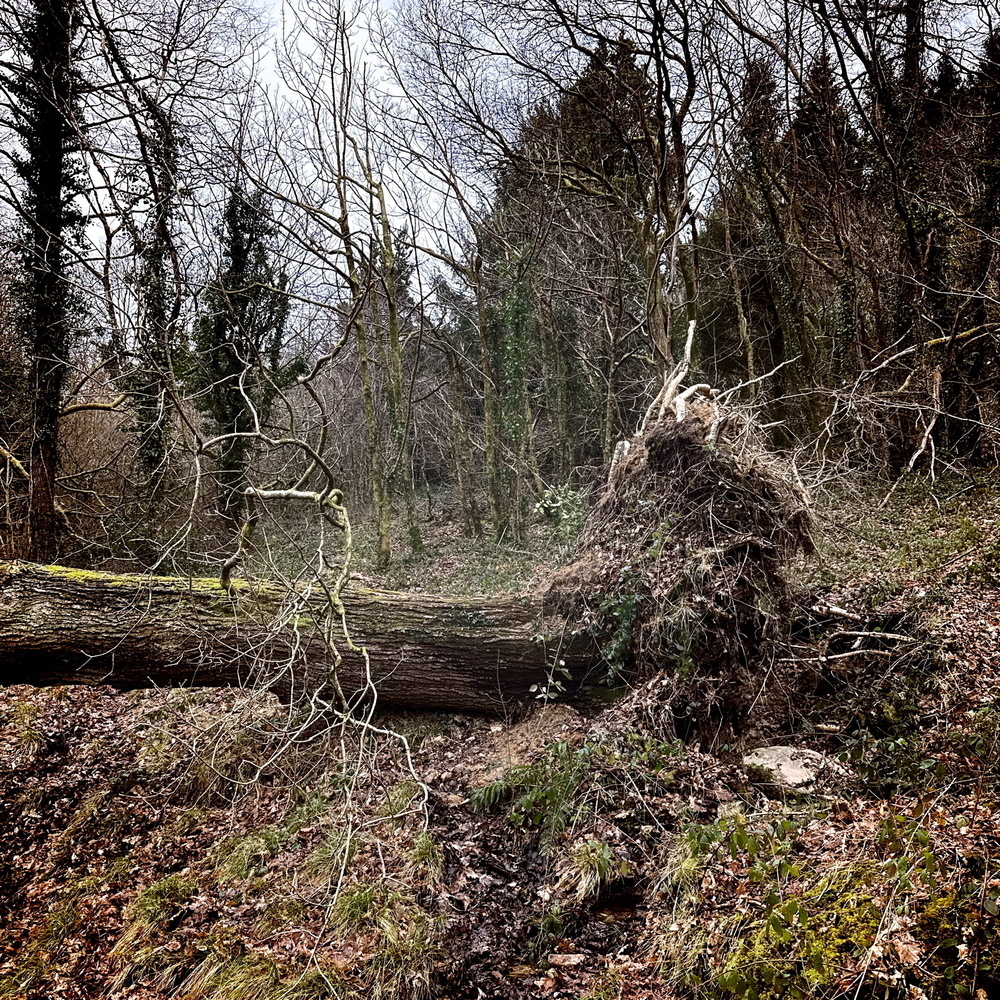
<point>399,802</point>
<point>355,905</point>
<point>606,985</point>
<point>565,507</point>
<point>403,937</point>
<point>425,854</point>
<point>151,908</point>
<point>22,722</point>
<point>540,796</point>
<point>893,763</point>
<point>549,927</point>
<point>986,568</point>
<point>158,900</point>
<point>259,977</point>
<point>306,812</point>
<point>765,847</point>
<point>552,687</point>
<point>617,617</point>
<point>281,912</point>
<point>330,860</point>
<point>594,864</point>
<point>241,857</point>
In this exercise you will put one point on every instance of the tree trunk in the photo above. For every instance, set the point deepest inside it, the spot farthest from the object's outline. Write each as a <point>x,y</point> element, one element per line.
<point>69,626</point>
<point>45,87</point>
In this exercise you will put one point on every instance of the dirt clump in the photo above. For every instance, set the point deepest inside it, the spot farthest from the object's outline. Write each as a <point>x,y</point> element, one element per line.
<point>679,571</point>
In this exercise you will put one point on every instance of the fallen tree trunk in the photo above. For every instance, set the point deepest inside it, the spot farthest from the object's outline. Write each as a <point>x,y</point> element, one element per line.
<point>67,626</point>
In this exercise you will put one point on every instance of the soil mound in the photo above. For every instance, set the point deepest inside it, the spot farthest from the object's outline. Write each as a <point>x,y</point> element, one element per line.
<point>680,569</point>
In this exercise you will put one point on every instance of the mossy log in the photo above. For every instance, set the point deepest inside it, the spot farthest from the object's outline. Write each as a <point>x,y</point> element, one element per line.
<point>68,626</point>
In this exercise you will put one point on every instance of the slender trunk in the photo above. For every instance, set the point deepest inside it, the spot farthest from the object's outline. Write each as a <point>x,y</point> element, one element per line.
<point>461,448</point>
<point>381,494</point>
<point>495,479</point>
<point>742,327</point>
<point>48,95</point>
<point>400,474</point>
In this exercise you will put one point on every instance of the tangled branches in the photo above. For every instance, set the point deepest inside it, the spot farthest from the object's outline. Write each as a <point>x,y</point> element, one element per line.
<point>679,567</point>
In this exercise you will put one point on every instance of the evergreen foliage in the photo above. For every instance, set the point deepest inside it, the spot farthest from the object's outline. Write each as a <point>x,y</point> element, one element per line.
<point>43,87</point>
<point>238,364</point>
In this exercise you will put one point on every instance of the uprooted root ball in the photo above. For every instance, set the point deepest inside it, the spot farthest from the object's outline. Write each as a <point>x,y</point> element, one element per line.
<point>679,572</point>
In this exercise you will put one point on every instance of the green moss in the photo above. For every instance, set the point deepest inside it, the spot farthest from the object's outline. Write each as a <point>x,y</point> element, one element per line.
<point>137,579</point>
<point>960,935</point>
<point>87,575</point>
<point>757,774</point>
<point>241,857</point>
<point>818,941</point>
<point>177,585</point>
<point>802,943</point>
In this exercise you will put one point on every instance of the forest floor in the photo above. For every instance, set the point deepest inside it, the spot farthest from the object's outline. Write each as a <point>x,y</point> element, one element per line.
<point>203,845</point>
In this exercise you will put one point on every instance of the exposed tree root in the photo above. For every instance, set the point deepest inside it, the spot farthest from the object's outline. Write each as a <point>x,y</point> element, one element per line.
<point>679,566</point>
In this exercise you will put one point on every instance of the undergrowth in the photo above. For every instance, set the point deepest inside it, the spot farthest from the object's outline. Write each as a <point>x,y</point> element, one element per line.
<point>888,539</point>
<point>567,785</point>
<point>890,918</point>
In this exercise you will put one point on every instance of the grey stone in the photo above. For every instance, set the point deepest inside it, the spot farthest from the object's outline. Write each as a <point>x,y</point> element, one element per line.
<point>796,768</point>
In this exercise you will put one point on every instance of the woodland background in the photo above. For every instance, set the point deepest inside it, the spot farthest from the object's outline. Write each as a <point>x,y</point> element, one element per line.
<point>443,253</point>
<point>425,268</point>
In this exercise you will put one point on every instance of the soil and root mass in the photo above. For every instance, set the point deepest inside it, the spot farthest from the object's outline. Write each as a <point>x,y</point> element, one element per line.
<point>680,571</point>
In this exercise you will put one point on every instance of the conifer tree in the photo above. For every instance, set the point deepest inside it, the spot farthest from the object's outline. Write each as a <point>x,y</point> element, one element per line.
<point>237,366</point>
<point>42,87</point>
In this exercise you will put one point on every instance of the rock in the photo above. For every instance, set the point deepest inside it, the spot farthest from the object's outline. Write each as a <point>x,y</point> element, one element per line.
<point>795,768</point>
<point>566,961</point>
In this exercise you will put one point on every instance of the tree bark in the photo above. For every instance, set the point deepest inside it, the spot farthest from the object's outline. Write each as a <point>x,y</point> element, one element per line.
<point>69,626</point>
